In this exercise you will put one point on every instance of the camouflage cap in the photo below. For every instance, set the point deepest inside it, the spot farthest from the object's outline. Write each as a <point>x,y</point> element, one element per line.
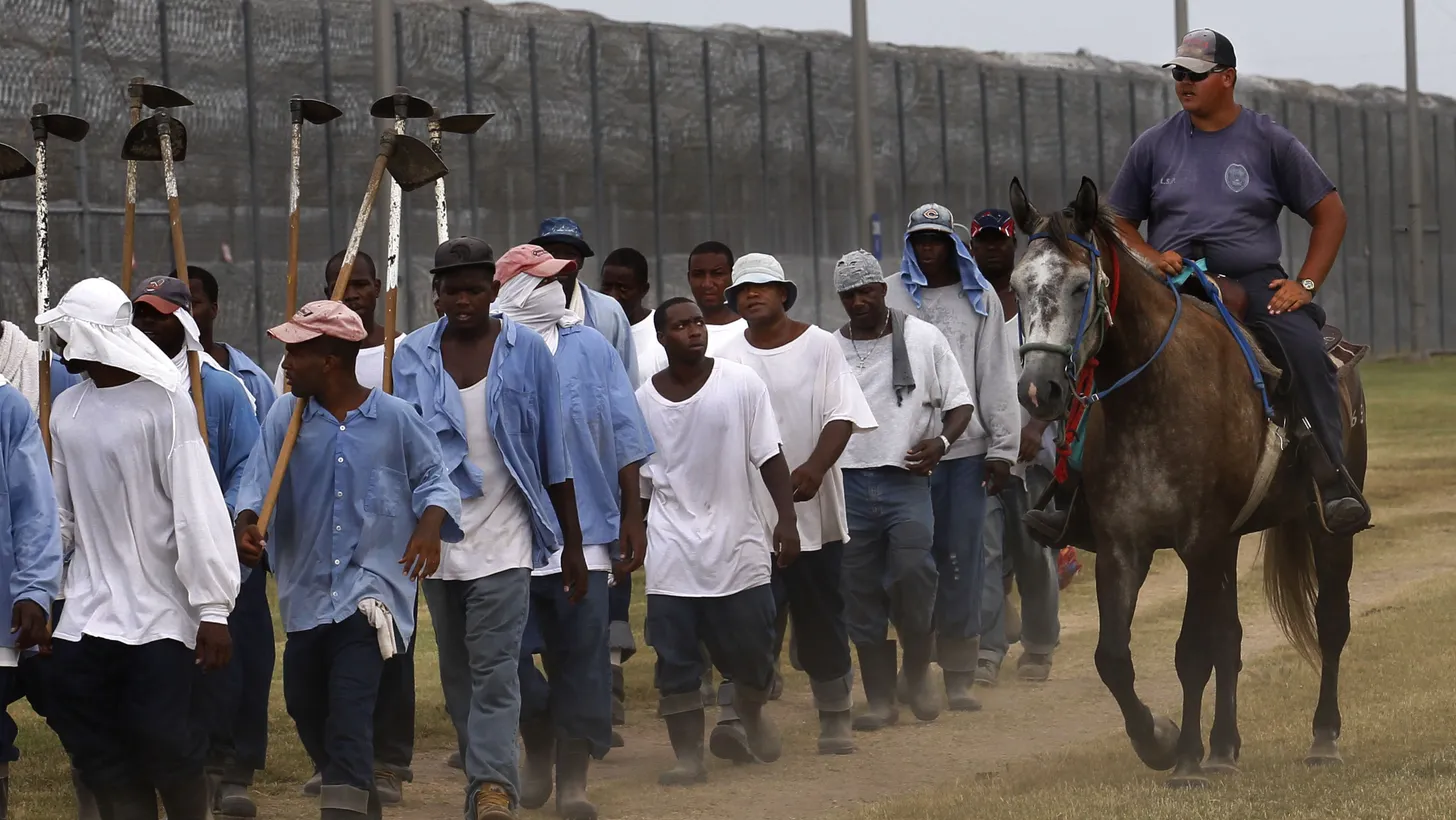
<point>1202,50</point>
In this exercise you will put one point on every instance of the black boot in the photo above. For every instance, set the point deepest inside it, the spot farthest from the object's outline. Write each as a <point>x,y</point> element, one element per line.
<point>132,801</point>
<point>539,739</point>
<point>877,673</point>
<point>1342,508</point>
<point>1064,524</point>
<point>187,799</point>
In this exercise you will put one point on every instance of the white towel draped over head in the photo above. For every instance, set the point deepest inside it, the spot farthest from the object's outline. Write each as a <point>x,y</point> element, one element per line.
<point>542,309</point>
<point>94,320</point>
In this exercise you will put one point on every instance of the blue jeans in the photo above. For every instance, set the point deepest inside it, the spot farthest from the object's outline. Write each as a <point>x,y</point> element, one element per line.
<point>738,631</point>
<point>240,740</point>
<point>889,574</point>
<point>576,691</point>
<point>330,685</point>
<point>959,502</point>
<point>1011,551</point>
<point>394,714</point>
<point>478,629</point>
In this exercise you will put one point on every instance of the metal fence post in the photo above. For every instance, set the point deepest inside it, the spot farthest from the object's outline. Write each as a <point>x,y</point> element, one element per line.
<point>1101,145</point>
<point>164,42</point>
<point>405,292</point>
<point>325,45</point>
<point>1062,136</point>
<point>594,57</point>
<point>656,155</point>
<point>900,136</point>
<point>811,148</point>
<point>467,58</point>
<point>536,197</point>
<point>1025,140</point>
<point>708,133</point>
<point>944,135</point>
<point>250,86</point>
<point>1370,218</point>
<point>83,166</point>
<point>763,138</point>
<point>1390,181</point>
<point>985,136</point>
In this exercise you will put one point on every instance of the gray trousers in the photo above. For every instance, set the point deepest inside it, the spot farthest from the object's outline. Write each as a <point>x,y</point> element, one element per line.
<point>478,629</point>
<point>1009,551</point>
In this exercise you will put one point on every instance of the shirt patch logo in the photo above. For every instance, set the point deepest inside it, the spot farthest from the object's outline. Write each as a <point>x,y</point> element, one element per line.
<point>1236,177</point>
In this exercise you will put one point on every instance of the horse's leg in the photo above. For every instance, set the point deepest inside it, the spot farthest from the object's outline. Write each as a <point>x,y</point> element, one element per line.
<point>1333,560</point>
<point>1121,570</point>
<point>1200,643</point>
<point>1224,741</point>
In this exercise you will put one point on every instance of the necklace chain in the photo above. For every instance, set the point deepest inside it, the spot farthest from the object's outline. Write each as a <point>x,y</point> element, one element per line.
<point>855,344</point>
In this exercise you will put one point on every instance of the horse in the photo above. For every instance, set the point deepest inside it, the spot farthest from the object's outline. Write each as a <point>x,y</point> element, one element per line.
<point>1172,459</point>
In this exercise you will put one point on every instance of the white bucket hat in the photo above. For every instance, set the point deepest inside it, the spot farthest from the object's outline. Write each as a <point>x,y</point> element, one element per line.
<point>759,269</point>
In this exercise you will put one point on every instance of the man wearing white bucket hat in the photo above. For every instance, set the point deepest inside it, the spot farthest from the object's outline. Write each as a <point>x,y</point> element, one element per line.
<point>818,404</point>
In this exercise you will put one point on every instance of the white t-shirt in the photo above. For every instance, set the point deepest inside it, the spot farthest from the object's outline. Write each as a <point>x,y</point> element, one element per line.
<point>939,387</point>
<point>707,535</point>
<point>140,505</point>
<point>497,524</point>
<point>809,385</point>
<point>368,367</point>
<point>655,360</point>
<point>650,356</point>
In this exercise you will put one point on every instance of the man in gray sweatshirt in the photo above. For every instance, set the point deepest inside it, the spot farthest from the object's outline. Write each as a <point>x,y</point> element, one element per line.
<point>940,284</point>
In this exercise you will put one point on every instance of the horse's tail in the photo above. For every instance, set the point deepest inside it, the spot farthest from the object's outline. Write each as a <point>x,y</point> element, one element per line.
<point>1291,585</point>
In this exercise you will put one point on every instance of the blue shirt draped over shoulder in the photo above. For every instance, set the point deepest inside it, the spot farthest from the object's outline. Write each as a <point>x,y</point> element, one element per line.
<point>605,430</point>
<point>605,315</point>
<point>523,409</point>
<point>351,498</point>
<point>30,534</point>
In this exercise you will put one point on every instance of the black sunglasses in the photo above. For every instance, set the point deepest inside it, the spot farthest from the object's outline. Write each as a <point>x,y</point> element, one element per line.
<point>1181,74</point>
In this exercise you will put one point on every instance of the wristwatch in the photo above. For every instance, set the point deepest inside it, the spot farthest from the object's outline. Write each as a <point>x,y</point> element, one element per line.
<point>1307,284</point>
<point>944,444</point>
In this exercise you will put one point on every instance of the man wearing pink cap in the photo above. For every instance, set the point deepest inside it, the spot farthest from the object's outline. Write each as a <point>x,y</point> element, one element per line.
<point>364,486</point>
<point>487,386</point>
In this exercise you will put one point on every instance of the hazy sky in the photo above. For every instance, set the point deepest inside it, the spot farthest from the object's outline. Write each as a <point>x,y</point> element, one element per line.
<point>1340,42</point>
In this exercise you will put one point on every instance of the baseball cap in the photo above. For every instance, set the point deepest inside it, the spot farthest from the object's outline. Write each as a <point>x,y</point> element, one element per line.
<point>165,294</point>
<point>564,230</point>
<point>321,318</point>
<point>532,260</point>
<point>1202,50</point>
<point>855,270</point>
<point>993,219</point>
<point>931,217</point>
<point>759,269</point>
<point>461,254</point>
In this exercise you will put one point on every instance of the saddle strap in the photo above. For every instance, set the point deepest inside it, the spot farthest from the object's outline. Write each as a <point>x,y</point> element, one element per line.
<point>1274,444</point>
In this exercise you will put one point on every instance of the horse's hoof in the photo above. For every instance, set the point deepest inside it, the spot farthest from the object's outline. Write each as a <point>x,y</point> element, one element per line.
<point>1220,766</point>
<point>1324,751</point>
<point>1162,754</point>
<point>1187,777</point>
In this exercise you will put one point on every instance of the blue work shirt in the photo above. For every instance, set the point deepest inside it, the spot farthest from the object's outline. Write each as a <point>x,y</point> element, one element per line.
<point>605,315</point>
<point>523,409</point>
<point>30,533</point>
<point>605,430</point>
<point>351,498</point>
<point>259,384</point>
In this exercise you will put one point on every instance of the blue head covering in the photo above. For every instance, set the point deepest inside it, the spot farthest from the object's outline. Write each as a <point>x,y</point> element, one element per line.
<point>938,219</point>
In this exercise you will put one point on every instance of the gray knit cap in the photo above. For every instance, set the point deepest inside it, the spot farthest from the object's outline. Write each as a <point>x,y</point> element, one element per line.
<point>855,270</point>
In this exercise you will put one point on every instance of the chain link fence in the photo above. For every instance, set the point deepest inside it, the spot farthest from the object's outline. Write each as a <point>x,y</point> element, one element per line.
<point>650,136</point>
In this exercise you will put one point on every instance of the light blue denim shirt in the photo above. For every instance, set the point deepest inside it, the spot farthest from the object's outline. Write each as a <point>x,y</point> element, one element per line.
<point>350,501</point>
<point>605,430</point>
<point>605,315</point>
<point>30,533</point>
<point>523,409</point>
<point>260,384</point>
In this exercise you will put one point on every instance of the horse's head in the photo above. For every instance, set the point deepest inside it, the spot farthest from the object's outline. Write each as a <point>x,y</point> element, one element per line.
<point>1061,290</point>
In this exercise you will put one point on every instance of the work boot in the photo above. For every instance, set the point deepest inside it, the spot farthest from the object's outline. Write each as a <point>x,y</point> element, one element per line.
<point>313,784</point>
<point>988,673</point>
<point>1012,621</point>
<point>921,697</point>
<point>456,760</point>
<point>540,742</point>
<point>877,673</point>
<point>86,806</point>
<point>1342,509</point>
<point>729,741</point>
<point>186,799</point>
<point>233,800</point>
<point>619,696</point>
<point>493,802</point>
<point>763,737</point>
<point>685,730</point>
<point>1034,667</point>
<point>388,786</point>
<point>835,737</point>
<point>958,692</point>
<point>134,801</point>
<point>572,760</point>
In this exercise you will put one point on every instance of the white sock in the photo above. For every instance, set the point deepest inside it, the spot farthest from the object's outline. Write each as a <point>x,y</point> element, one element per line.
<point>616,657</point>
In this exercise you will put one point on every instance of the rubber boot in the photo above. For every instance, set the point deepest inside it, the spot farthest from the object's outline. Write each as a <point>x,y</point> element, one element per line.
<point>763,737</point>
<point>922,698</point>
<point>134,801</point>
<point>877,673</point>
<point>233,801</point>
<point>86,805</point>
<point>729,740</point>
<point>573,757</point>
<point>540,741</point>
<point>187,799</point>
<point>619,696</point>
<point>685,730</point>
<point>958,692</point>
<point>835,736</point>
<point>340,802</point>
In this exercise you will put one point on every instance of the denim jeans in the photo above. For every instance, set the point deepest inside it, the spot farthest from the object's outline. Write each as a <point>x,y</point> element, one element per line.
<point>576,691</point>
<point>478,629</point>
<point>889,573</point>
<point>330,685</point>
<point>240,743</point>
<point>738,630</point>
<point>394,714</point>
<point>959,502</point>
<point>1011,551</point>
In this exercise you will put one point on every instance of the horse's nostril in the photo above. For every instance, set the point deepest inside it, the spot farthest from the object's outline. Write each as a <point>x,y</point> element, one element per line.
<point>1055,394</point>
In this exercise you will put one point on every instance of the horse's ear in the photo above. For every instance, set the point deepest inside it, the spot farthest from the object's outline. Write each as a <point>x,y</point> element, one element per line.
<point>1028,220</point>
<point>1084,207</point>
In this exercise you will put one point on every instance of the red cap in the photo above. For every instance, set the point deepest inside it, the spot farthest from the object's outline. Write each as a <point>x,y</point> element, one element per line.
<point>321,318</point>
<point>532,260</point>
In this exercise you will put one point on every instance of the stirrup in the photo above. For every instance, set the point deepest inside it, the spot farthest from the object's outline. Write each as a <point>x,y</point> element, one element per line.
<point>1048,526</point>
<point>1330,480</point>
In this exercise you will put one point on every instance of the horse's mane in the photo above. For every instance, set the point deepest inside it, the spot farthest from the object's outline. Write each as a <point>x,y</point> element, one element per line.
<point>1059,227</point>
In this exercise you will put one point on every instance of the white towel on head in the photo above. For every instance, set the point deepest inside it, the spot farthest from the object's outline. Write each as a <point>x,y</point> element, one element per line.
<point>94,320</point>
<point>20,362</point>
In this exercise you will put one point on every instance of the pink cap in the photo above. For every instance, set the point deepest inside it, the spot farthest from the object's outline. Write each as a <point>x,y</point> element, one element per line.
<point>321,318</point>
<point>532,260</point>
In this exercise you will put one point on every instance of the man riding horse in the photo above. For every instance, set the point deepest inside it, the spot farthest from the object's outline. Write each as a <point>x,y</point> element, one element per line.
<point>1216,176</point>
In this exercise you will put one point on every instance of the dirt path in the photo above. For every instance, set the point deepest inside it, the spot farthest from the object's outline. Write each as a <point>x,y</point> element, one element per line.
<point>1019,721</point>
